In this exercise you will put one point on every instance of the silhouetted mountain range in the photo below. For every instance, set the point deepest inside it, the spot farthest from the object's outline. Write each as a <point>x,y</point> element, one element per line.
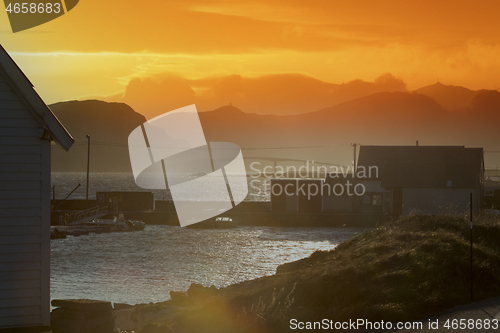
<point>381,116</point>
<point>431,115</point>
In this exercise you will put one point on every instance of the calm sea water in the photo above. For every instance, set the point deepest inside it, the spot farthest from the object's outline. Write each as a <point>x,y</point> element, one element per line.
<point>143,267</point>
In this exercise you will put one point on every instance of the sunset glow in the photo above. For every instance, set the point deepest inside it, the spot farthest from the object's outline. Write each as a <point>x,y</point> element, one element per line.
<point>98,48</point>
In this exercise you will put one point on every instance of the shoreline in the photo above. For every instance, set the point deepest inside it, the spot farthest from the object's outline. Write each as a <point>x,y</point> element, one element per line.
<point>381,270</point>
<point>247,213</point>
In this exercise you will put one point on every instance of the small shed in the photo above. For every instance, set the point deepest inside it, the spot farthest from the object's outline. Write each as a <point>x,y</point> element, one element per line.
<point>284,196</point>
<point>336,198</point>
<point>492,197</point>
<point>423,179</point>
<point>27,127</point>
<point>296,195</point>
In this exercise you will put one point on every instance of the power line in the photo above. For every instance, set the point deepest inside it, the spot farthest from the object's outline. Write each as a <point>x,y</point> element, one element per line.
<point>109,144</point>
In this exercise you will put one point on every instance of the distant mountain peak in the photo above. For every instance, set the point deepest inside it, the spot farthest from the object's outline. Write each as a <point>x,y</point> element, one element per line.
<point>440,85</point>
<point>228,109</point>
<point>386,103</point>
<point>449,96</point>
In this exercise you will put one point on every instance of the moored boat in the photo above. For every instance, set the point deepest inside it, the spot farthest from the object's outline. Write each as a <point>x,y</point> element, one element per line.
<point>216,223</point>
<point>97,226</point>
<point>116,224</point>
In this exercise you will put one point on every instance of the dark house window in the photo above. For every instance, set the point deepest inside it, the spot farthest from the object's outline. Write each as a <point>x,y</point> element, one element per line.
<point>376,199</point>
<point>372,199</point>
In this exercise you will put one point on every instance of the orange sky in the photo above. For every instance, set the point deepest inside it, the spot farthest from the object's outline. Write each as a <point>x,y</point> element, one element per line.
<point>100,46</point>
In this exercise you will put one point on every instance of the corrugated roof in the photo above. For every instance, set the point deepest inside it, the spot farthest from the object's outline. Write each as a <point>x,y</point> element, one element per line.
<point>424,166</point>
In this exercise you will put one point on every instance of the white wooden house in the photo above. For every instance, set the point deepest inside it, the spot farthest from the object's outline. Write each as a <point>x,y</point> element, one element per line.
<point>27,127</point>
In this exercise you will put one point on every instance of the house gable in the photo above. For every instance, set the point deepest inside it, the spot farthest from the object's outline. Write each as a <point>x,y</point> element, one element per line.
<point>18,84</point>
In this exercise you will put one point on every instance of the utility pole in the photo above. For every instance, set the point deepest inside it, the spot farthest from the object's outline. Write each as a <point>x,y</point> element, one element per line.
<point>354,160</point>
<point>354,201</point>
<point>88,166</point>
<point>471,274</point>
